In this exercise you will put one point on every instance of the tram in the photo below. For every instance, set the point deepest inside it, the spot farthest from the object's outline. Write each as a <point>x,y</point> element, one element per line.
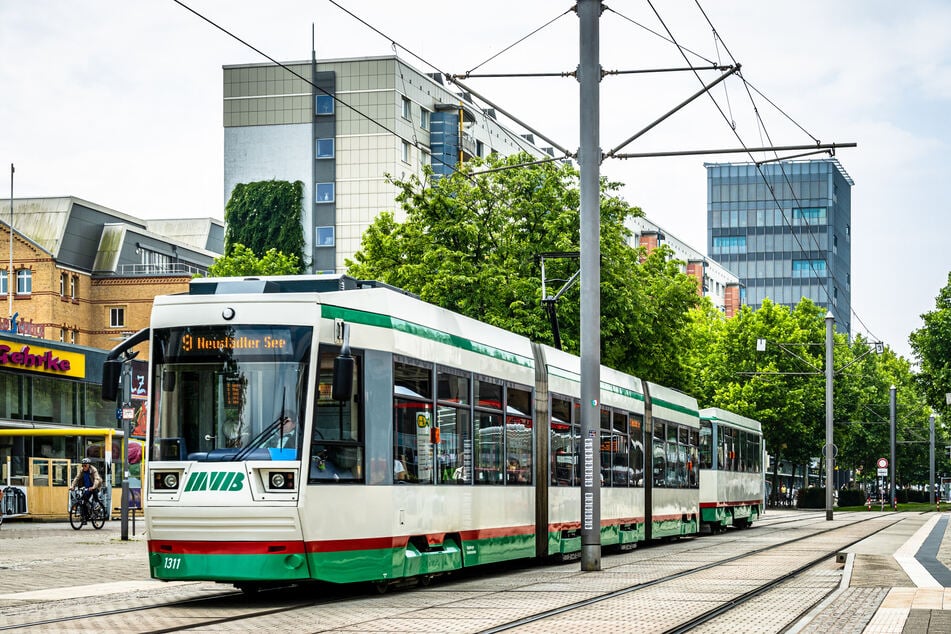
<point>732,460</point>
<point>322,427</point>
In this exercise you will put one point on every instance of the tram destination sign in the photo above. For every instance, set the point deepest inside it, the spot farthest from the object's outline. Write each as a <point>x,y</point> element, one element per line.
<point>212,342</point>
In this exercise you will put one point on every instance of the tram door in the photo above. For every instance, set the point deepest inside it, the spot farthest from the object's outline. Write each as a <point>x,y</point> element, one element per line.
<point>48,488</point>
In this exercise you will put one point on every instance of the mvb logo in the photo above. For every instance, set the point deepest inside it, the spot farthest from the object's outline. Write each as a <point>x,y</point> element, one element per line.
<point>215,481</point>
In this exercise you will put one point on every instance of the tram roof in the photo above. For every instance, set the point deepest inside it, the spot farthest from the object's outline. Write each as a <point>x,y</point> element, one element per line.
<point>325,283</point>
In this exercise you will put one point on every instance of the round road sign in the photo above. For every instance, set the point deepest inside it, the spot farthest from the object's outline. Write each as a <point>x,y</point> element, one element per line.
<point>882,463</point>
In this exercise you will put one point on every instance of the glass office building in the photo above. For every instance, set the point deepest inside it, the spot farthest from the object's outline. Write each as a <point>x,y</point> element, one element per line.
<point>784,229</point>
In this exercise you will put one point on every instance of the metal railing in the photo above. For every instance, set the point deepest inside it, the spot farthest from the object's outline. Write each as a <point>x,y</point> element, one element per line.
<point>175,268</point>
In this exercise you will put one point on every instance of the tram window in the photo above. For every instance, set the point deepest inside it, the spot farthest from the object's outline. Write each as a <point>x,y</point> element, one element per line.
<point>659,449</point>
<point>488,448</point>
<point>455,445</point>
<point>336,462</point>
<point>706,445</point>
<point>412,455</point>
<point>488,395</point>
<point>637,449</point>
<point>518,436</point>
<point>673,467</point>
<point>336,420</point>
<point>453,388</point>
<point>562,458</point>
<point>412,380</point>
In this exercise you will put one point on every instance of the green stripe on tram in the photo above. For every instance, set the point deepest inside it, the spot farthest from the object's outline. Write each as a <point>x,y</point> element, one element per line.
<point>400,325</point>
<point>228,567</point>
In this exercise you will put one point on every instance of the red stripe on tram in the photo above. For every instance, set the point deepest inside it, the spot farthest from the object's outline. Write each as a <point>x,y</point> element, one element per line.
<point>176,547</point>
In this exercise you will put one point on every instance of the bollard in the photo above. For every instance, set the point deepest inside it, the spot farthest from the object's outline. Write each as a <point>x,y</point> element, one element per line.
<point>868,503</point>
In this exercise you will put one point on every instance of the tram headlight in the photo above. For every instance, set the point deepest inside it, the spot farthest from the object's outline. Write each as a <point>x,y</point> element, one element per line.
<point>164,480</point>
<point>282,480</point>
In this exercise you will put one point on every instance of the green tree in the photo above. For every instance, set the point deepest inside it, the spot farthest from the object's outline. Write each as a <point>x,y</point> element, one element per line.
<point>931,346</point>
<point>779,386</point>
<point>242,262</point>
<point>472,243</point>
<point>266,215</point>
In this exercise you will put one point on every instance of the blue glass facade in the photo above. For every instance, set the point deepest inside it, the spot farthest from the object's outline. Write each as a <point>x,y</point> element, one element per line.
<point>785,230</point>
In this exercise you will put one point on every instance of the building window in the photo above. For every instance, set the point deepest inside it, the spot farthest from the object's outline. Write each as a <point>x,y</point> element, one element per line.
<point>325,192</point>
<point>406,109</point>
<point>424,118</point>
<point>3,282</point>
<point>117,317</point>
<point>24,282</point>
<point>325,148</point>
<point>62,334</point>
<point>62,285</point>
<point>729,244</point>
<point>326,236</point>
<point>404,151</point>
<point>73,285</point>
<point>72,336</point>
<point>808,268</point>
<point>324,105</point>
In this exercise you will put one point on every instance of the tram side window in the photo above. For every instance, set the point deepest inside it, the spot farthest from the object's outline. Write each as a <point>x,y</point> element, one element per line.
<point>728,448</point>
<point>755,464</point>
<point>659,444</point>
<point>563,451</point>
<point>637,448</point>
<point>693,464</point>
<point>489,440</point>
<point>675,468</point>
<point>706,444</point>
<point>455,428</point>
<point>518,436</point>
<point>337,442</point>
<point>412,411</point>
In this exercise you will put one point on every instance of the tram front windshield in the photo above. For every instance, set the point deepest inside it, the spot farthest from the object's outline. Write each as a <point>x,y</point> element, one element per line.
<point>225,393</point>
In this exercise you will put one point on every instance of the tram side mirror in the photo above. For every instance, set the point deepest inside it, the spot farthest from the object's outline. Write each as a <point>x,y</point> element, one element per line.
<point>111,372</point>
<point>343,378</point>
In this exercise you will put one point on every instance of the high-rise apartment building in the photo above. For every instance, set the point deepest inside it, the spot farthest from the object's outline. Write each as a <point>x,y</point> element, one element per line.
<point>713,280</point>
<point>344,128</point>
<point>784,229</point>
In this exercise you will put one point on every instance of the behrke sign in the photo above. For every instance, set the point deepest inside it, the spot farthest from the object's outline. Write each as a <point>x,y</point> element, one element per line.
<point>16,355</point>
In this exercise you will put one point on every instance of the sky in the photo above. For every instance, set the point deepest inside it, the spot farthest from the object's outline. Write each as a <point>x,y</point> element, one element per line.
<point>120,103</point>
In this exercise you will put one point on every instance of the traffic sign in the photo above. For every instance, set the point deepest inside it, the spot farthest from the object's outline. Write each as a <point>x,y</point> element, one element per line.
<point>883,472</point>
<point>883,463</point>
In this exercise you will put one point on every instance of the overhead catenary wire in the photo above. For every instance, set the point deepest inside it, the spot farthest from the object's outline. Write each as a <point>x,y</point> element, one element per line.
<point>739,138</point>
<point>748,86</point>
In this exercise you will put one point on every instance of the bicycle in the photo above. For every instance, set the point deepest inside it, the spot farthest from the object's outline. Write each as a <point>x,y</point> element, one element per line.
<point>92,511</point>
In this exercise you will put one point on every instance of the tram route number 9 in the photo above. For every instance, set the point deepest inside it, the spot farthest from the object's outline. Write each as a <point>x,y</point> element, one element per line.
<point>172,563</point>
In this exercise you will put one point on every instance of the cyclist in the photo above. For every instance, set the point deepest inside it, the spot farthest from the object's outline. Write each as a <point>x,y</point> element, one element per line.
<point>88,479</point>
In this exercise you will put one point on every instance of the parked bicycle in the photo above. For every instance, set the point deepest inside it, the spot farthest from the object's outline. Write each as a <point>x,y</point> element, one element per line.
<point>91,511</point>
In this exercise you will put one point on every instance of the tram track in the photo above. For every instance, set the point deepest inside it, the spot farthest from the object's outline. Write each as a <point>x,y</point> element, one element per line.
<point>709,615</point>
<point>232,607</point>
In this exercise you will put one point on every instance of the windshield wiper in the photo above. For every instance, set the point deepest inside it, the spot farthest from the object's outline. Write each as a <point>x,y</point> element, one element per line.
<point>264,434</point>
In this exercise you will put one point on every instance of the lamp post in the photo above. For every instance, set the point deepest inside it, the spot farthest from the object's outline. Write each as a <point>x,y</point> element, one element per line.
<point>830,325</point>
<point>931,459</point>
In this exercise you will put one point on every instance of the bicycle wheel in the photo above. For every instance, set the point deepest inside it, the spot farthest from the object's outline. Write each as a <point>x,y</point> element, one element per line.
<point>76,515</point>
<point>98,515</point>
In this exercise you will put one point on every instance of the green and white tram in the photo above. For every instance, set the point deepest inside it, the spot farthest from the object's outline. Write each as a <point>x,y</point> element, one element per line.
<point>732,468</point>
<point>321,427</point>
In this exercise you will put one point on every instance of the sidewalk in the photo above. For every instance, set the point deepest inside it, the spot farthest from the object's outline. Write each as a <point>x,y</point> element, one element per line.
<point>895,582</point>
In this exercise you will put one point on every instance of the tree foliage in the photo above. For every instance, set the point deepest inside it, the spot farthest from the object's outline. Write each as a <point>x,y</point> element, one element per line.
<point>473,244</point>
<point>243,262</point>
<point>783,387</point>
<point>266,215</point>
<point>931,346</point>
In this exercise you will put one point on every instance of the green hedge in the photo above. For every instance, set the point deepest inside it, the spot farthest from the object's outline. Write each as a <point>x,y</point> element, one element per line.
<point>852,497</point>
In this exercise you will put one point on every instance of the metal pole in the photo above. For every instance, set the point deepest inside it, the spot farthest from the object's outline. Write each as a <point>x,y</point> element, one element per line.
<point>589,158</point>
<point>931,459</point>
<point>10,270</point>
<point>891,434</point>
<point>830,326</point>
<point>123,463</point>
